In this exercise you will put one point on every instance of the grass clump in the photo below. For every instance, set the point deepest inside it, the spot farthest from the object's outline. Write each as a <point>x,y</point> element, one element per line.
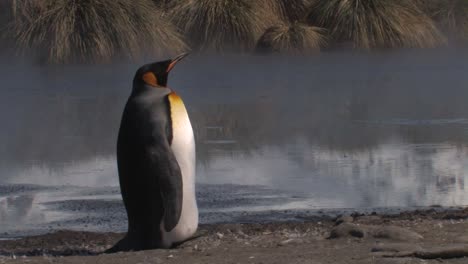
<point>62,31</point>
<point>293,10</point>
<point>296,38</point>
<point>222,25</point>
<point>369,24</point>
<point>452,17</point>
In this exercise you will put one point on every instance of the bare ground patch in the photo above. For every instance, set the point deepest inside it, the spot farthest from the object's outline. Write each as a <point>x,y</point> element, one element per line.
<point>431,236</point>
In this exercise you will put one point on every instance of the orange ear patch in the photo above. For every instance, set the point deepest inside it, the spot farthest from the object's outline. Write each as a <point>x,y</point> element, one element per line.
<point>150,79</point>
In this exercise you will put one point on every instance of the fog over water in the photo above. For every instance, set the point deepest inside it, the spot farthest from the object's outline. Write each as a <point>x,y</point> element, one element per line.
<point>336,130</point>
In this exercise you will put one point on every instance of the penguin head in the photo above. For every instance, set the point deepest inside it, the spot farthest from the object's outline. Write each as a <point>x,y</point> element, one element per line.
<point>154,75</point>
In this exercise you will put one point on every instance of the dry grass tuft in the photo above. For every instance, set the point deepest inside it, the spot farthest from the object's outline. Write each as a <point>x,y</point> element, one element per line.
<point>162,4</point>
<point>223,25</point>
<point>63,31</point>
<point>452,17</point>
<point>294,10</point>
<point>376,23</point>
<point>292,39</point>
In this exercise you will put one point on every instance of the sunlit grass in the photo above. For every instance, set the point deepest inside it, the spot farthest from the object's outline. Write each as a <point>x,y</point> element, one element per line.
<point>452,17</point>
<point>223,25</point>
<point>368,24</point>
<point>62,31</point>
<point>70,31</point>
<point>292,39</point>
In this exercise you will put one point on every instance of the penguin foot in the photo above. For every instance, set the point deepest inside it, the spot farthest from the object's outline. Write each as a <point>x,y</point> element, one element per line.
<point>131,243</point>
<point>122,245</point>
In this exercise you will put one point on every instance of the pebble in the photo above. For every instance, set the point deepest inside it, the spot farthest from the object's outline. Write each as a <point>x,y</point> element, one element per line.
<point>290,241</point>
<point>242,234</point>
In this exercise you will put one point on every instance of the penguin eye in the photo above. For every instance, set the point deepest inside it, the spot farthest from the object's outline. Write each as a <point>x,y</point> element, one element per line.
<point>150,79</point>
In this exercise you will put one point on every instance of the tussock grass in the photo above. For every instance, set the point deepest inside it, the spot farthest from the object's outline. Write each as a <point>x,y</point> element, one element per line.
<point>296,38</point>
<point>371,24</point>
<point>162,4</point>
<point>294,10</point>
<point>63,31</point>
<point>223,25</point>
<point>452,17</point>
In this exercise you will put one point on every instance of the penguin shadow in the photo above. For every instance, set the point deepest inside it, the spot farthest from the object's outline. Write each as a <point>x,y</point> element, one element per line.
<point>178,245</point>
<point>68,252</point>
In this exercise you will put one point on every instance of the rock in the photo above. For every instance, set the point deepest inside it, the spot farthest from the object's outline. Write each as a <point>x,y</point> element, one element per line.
<point>370,218</point>
<point>242,234</point>
<point>395,233</point>
<point>395,247</point>
<point>344,219</point>
<point>290,241</point>
<point>383,232</point>
<point>447,252</point>
<point>348,229</point>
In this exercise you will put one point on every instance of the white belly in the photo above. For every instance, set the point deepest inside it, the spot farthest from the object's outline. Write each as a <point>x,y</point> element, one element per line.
<point>183,146</point>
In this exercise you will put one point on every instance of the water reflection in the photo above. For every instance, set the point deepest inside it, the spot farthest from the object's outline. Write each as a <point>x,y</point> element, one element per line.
<point>392,175</point>
<point>15,209</point>
<point>336,130</point>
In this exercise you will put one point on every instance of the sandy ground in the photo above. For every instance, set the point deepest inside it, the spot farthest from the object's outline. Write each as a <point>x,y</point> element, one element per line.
<point>430,236</point>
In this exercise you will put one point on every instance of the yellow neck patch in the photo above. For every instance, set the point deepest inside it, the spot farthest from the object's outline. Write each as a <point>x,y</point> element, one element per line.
<point>150,79</point>
<point>178,111</point>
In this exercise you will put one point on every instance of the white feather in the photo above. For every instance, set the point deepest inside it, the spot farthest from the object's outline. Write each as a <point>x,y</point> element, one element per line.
<point>183,146</point>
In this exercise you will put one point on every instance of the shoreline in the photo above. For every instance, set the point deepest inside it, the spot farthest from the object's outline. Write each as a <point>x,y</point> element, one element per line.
<point>211,218</point>
<point>432,234</point>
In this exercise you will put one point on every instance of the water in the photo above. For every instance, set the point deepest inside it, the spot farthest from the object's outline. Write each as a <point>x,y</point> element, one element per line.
<point>278,138</point>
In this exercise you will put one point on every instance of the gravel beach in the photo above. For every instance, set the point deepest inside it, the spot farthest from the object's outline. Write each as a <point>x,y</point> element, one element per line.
<point>422,236</point>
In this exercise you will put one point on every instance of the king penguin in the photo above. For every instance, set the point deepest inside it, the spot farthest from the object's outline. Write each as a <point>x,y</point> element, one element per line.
<point>156,163</point>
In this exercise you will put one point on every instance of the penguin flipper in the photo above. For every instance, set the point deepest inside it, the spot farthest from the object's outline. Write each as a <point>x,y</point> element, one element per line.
<point>167,168</point>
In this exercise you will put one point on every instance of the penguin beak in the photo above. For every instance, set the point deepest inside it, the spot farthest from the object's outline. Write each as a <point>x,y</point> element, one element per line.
<point>175,60</point>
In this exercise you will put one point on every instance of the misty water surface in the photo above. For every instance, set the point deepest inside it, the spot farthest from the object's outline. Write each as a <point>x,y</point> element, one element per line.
<point>273,134</point>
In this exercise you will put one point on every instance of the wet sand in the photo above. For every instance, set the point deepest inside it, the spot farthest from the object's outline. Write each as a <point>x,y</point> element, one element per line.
<point>429,236</point>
